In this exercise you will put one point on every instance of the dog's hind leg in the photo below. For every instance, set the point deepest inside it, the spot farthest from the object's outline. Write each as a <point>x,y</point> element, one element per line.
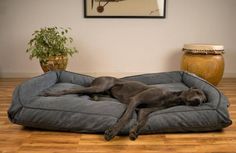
<point>98,85</point>
<point>88,90</point>
<point>142,119</point>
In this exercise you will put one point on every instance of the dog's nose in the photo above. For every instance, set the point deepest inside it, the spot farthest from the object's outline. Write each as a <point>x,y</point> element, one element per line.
<point>204,100</point>
<point>194,102</point>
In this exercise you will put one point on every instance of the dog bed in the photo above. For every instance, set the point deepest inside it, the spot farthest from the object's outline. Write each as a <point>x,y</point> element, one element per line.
<point>83,114</point>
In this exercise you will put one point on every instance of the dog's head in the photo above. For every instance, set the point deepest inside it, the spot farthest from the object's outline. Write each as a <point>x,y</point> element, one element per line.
<point>193,97</point>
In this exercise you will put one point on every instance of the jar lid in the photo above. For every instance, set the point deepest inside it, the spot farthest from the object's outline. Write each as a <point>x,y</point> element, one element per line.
<point>203,48</point>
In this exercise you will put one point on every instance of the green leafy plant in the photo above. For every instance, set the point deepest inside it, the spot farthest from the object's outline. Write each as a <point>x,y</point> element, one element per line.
<point>50,41</point>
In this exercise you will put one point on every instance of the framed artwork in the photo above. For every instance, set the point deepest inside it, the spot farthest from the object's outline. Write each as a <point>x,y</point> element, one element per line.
<point>124,8</point>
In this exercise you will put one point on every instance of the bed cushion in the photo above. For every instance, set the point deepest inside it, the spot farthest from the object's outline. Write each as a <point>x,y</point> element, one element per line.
<point>81,113</point>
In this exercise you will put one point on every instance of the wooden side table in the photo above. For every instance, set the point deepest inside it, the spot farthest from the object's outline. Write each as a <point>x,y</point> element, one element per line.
<point>204,60</point>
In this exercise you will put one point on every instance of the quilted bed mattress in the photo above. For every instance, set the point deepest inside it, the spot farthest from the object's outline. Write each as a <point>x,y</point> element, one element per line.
<point>80,113</point>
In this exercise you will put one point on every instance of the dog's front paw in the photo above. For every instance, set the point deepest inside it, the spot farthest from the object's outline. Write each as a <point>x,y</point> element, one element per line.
<point>109,134</point>
<point>133,135</point>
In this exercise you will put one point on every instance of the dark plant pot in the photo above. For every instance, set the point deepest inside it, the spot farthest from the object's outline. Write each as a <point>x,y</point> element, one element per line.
<point>54,63</point>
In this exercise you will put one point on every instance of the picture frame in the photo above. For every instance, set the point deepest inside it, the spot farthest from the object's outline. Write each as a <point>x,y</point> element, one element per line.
<point>125,9</point>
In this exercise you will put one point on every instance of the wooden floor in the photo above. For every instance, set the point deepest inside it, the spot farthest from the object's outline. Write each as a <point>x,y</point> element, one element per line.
<point>15,138</point>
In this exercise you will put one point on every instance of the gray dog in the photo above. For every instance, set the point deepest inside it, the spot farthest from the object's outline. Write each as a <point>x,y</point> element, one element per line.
<point>139,96</point>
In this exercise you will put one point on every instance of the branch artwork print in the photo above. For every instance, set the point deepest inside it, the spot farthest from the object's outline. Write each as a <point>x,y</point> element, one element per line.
<point>125,8</point>
<point>100,7</point>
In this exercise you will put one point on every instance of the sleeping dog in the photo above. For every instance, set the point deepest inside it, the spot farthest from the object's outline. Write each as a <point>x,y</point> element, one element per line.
<point>136,95</point>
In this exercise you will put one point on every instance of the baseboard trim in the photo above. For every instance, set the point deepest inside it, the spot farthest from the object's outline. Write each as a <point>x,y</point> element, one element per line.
<point>19,75</point>
<point>229,75</point>
<point>95,74</point>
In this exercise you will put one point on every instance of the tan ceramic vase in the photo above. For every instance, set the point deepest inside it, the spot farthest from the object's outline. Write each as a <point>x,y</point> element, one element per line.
<point>206,62</point>
<point>54,63</point>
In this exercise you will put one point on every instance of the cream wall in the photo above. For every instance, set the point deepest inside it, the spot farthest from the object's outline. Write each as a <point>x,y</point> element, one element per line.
<point>116,46</point>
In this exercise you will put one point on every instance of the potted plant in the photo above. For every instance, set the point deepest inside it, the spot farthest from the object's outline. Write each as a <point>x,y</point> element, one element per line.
<point>51,46</point>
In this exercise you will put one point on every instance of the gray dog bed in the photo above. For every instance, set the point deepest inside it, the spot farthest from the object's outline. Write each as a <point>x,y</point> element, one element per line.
<point>82,114</point>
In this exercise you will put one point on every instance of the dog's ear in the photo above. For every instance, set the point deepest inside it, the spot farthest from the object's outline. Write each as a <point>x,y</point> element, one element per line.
<point>120,84</point>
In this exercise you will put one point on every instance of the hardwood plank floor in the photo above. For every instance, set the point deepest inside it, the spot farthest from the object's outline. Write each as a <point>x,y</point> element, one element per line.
<point>15,138</point>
